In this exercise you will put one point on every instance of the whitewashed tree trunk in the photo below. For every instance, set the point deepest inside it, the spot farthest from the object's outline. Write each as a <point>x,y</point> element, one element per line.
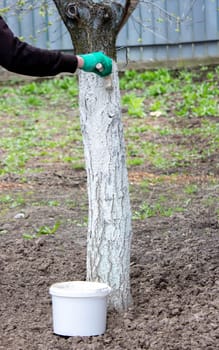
<point>94,26</point>
<point>109,225</point>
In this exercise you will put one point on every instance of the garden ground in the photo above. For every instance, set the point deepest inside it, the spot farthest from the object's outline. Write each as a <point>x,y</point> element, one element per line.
<point>174,256</point>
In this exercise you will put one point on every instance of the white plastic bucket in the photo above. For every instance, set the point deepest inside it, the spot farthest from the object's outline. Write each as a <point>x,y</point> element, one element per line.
<point>79,308</point>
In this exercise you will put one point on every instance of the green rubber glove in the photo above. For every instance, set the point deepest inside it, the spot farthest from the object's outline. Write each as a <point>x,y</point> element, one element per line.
<point>92,59</point>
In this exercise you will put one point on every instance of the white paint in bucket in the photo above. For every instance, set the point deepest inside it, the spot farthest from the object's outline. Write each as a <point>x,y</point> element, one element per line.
<point>79,308</point>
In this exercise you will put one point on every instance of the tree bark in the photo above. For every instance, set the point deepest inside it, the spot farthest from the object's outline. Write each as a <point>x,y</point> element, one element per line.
<point>94,26</point>
<point>109,230</point>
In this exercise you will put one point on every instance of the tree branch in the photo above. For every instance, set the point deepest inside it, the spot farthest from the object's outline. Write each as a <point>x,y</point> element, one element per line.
<point>130,6</point>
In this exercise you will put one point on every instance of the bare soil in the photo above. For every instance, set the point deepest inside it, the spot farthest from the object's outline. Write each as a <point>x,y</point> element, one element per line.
<point>174,271</point>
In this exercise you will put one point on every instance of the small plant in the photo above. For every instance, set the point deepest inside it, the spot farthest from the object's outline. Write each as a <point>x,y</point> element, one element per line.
<point>52,203</point>
<point>191,189</point>
<point>34,101</point>
<point>157,89</point>
<point>135,161</point>
<point>135,105</point>
<point>13,202</point>
<point>147,210</point>
<point>42,231</point>
<point>131,80</point>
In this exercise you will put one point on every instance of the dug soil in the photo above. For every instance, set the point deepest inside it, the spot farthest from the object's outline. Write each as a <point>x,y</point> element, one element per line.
<point>174,267</point>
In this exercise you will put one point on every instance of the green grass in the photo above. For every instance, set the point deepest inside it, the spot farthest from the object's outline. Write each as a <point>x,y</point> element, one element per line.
<point>163,100</point>
<point>134,104</point>
<point>159,208</point>
<point>12,201</point>
<point>191,189</point>
<point>193,97</point>
<point>35,123</point>
<point>39,121</point>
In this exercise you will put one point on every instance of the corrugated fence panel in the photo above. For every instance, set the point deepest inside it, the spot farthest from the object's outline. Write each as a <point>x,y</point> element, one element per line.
<point>159,30</point>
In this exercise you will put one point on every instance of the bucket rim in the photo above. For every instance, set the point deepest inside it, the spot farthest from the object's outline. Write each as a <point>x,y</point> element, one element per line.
<point>79,289</point>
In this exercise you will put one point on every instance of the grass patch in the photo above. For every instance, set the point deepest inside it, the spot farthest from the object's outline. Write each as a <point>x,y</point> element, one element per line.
<point>42,231</point>
<point>36,124</point>
<point>147,210</point>
<point>12,201</point>
<point>39,121</point>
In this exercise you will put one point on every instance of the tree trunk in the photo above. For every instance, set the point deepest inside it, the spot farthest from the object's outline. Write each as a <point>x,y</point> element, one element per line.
<point>109,230</point>
<point>93,26</point>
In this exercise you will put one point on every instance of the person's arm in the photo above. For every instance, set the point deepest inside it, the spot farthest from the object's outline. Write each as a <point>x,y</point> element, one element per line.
<point>22,58</point>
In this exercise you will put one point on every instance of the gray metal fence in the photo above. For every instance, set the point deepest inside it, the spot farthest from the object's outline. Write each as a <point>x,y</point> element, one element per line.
<point>158,30</point>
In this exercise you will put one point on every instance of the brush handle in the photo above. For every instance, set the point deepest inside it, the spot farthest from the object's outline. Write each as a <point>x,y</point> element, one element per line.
<point>99,67</point>
<point>108,79</point>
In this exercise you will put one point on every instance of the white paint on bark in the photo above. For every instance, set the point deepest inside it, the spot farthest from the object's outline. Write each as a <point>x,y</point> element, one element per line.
<point>109,227</point>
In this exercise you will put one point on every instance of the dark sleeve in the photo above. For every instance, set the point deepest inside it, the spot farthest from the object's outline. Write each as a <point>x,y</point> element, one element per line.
<point>22,58</point>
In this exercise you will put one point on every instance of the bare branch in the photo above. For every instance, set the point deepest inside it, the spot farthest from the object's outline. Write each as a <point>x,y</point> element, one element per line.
<point>167,15</point>
<point>130,6</point>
